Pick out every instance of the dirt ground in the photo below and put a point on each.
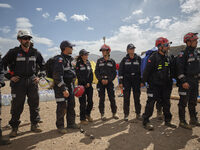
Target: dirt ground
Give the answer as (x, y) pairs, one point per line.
(110, 135)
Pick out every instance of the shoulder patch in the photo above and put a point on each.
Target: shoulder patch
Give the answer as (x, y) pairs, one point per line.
(60, 59)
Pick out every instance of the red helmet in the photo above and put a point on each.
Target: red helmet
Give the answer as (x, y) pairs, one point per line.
(105, 47)
(161, 41)
(190, 36)
(79, 90)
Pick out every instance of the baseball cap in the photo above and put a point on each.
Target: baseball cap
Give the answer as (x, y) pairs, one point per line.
(83, 52)
(130, 46)
(65, 44)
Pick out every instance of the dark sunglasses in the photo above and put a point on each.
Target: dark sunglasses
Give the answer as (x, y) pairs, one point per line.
(166, 45)
(26, 38)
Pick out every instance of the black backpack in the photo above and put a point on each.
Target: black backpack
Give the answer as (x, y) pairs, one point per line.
(49, 66)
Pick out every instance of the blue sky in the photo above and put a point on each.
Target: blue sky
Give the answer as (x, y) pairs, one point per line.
(85, 22)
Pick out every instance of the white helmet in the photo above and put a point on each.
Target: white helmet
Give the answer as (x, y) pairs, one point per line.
(22, 33)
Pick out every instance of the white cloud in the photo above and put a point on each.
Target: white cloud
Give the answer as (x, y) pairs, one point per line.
(5, 5)
(76, 17)
(137, 12)
(45, 15)
(43, 40)
(90, 28)
(23, 24)
(39, 9)
(144, 39)
(163, 24)
(127, 19)
(143, 21)
(61, 16)
(6, 44)
(54, 50)
(5, 29)
(190, 6)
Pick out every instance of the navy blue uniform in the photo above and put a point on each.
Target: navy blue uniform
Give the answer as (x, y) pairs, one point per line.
(130, 77)
(106, 70)
(85, 75)
(64, 75)
(24, 64)
(157, 75)
(188, 70)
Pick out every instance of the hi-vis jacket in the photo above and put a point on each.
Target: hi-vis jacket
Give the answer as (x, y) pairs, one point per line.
(24, 64)
(188, 64)
(129, 69)
(157, 71)
(105, 69)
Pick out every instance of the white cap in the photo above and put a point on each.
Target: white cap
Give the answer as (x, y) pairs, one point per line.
(22, 33)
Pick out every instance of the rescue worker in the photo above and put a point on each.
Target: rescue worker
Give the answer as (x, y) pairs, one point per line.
(85, 77)
(23, 61)
(130, 78)
(64, 75)
(188, 73)
(157, 75)
(3, 141)
(105, 72)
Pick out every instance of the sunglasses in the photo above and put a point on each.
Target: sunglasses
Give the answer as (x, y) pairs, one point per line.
(166, 45)
(26, 38)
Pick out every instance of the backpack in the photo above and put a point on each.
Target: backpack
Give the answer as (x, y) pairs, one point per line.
(49, 66)
(145, 59)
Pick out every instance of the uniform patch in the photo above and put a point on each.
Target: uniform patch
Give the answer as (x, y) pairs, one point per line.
(19, 54)
(60, 60)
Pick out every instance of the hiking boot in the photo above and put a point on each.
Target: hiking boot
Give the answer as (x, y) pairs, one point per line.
(125, 118)
(139, 117)
(195, 123)
(115, 116)
(62, 130)
(89, 118)
(35, 128)
(13, 133)
(103, 118)
(84, 122)
(149, 127)
(185, 125)
(168, 124)
(73, 126)
(159, 115)
(4, 141)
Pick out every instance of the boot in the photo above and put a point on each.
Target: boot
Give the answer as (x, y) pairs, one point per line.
(115, 116)
(126, 118)
(149, 127)
(195, 123)
(103, 118)
(89, 118)
(139, 117)
(74, 126)
(62, 130)
(169, 124)
(184, 125)
(13, 133)
(3, 141)
(84, 122)
(159, 115)
(35, 128)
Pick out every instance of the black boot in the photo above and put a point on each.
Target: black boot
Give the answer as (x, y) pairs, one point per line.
(3, 141)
